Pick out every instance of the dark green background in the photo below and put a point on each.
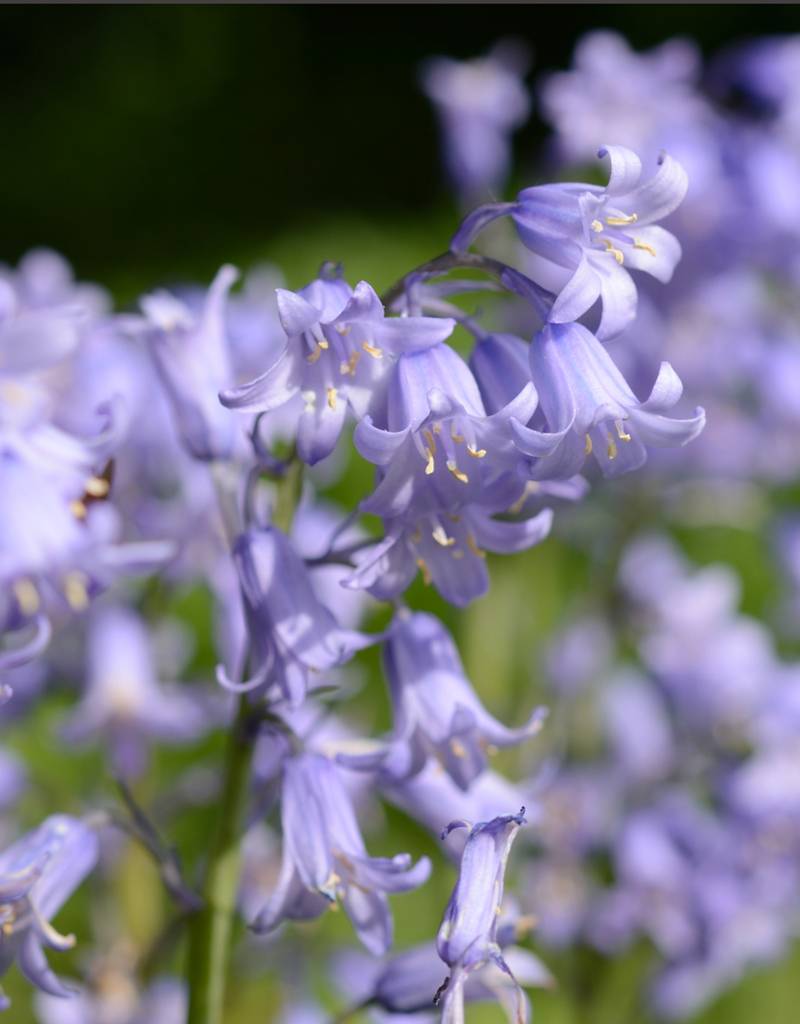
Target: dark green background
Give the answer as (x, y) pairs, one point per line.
(161, 140)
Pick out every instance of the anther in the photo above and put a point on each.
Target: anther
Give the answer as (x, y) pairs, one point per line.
(27, 596)
(622, 433)
(331, 393)
(458, 438)
(476, 453)
(75, 591)
(459, 474)
(610, 248)
(78, 509)
(596, 225)
(430, 465)
(472, 544)
(622, 220)
(442, 539)
(612, 448)
(643, 246)
(97, 487)
(587, 448)
(372, 350)
(426, 573)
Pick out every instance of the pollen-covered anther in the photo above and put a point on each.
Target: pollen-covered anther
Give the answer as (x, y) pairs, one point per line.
(349, 367)
(596, 226)
(316, 353)
(643, 246)
(612, 249)
(75, 591)
(331, 393)
(97, 487)
(78, 509)
(458, 748)
(622, 433)
(27, 596)
(458, 438)
(372, 350)
(459, 474)
(422, 565)
(612, 448)
(430, 465)
(343, 329)
(587, 448)
(622, 220)
(441, 537)
(476, 453)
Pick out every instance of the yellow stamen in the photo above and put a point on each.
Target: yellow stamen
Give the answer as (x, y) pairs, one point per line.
(97, 487)
(314, 355)
(458, 438)
(587, 448)
(430, 465)
(622, 434)
(459, 474)
(472, 544)
(476, 453)
(350, 366)
(322, 344)
(75, 591)
(622, 220)
(437, 428)
(426, 573)
(78, 509)
(27, 596)
(610, 248)
(612, 448)
(430, 439)
(596, 225)
(458, 748)
(343, 329)
(643, 246)
(331, 393)
(372, 350)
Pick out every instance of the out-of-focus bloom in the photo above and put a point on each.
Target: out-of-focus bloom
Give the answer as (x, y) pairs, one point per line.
(645, 101)
(190, 351)
(113, 998)
(638, 728)
(467, 938)
(123, 703)
(12, 779)
(584, 393)
(435, 708)
(324, 858)
(480, 103)
(293, 635)
(38, 873)
(339, 348)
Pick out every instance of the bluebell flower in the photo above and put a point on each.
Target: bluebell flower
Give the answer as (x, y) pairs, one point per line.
(436, 710)
(325, 860)
(468, 938)
(338, 350)
(587, 237)
(586, 397)
(294, 636)
(479, 102)
(445, 469)
(38, 873)
(113, 998)
(124, 704)
(190, 351)
(406, 982)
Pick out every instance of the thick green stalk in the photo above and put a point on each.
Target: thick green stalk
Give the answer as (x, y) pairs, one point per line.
(211, 929)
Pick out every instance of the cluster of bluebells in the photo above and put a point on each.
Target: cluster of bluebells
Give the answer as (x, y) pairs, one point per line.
(159, 449)
(684, 780)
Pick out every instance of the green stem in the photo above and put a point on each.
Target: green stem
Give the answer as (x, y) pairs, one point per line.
(211, 928)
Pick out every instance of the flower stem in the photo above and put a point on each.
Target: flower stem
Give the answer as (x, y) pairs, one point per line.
(211, 928)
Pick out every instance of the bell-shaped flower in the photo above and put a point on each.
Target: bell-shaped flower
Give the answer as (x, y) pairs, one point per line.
(190, 351)
(587, 237)
(338, 350)
(293, 636)
(124, 704)
(325, 859)
(468, 936)
(582, 390)
(436, 710)
(38, 873)
(479, 102)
